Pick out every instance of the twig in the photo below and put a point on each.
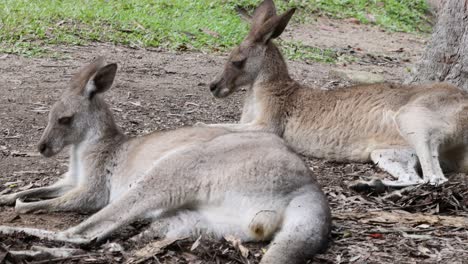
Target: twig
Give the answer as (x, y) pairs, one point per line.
(64, 258)
(29, 172)
(55, 66)
(13, 137)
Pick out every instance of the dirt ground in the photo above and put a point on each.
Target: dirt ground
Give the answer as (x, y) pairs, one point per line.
(157, 90)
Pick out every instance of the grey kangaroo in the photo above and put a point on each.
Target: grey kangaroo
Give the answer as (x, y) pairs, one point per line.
(398, 127)
(186, 181)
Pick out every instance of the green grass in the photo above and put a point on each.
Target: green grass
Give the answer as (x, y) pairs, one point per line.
(182, 24)
(392, 15)
(27, 27)
(299, 51)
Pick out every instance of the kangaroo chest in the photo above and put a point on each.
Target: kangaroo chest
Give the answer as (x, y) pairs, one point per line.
(251, 108)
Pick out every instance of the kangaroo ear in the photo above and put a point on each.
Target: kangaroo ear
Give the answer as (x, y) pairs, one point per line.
(273, 27)
(263, 12)
(101, 81)
(84, 74)
(244, 14)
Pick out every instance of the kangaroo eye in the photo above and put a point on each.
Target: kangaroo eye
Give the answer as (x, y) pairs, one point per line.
(239, 63)
(65, 120)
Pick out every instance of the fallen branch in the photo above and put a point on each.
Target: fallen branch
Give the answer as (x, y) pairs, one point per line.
(403, 217)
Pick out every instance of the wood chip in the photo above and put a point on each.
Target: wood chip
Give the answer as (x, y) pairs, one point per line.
(413, 236)
(135, 103)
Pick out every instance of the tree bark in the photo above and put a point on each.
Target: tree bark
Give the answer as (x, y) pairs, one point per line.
(446, 56)
(435, 5)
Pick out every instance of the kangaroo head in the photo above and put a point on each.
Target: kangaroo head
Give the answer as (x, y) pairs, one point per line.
(256, 55)
(80, 113)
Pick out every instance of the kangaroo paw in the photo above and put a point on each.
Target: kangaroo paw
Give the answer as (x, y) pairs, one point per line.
(437, 180)
(22, 207)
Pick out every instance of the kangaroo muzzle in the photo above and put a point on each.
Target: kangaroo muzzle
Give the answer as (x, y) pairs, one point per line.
(45, 149)
(219, 89)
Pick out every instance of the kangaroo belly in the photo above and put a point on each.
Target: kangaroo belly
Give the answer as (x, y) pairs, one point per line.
(254, 218)
(343, 139)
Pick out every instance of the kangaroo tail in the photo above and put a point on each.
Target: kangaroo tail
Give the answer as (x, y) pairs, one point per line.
(305, 229)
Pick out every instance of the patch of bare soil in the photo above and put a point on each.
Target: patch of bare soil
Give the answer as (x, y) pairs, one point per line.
(375, 50)
(158, 90)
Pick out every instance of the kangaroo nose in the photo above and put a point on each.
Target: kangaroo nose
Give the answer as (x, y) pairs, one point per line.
(213, 86)
(42, 147)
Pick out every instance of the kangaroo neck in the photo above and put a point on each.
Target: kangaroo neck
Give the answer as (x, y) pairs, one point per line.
(98, 145)
(274, 68)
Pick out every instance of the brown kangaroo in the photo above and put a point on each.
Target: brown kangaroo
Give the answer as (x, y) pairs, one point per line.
(187, 181)
(395, 126)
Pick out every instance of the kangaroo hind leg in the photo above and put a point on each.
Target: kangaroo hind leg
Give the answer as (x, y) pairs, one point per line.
(304, 231)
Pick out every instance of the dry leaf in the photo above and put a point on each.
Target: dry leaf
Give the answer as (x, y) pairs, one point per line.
(237, 244)
(152, 249)
(211, 33)
(424, 250)
(196, 243)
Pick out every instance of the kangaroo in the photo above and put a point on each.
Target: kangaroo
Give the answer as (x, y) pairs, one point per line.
(398, 127)
(188, 181)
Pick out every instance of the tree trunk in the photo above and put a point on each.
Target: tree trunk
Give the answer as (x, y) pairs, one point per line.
(446, 56)
(435, 5)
